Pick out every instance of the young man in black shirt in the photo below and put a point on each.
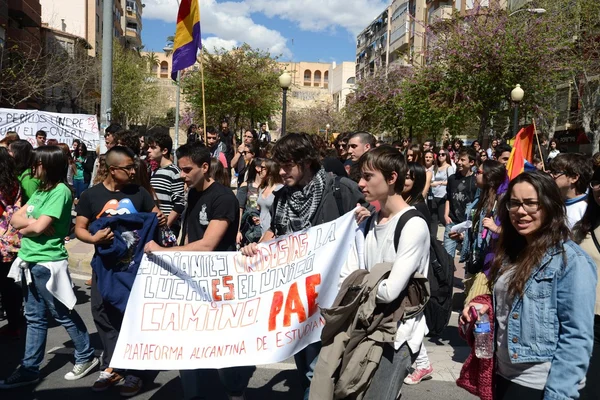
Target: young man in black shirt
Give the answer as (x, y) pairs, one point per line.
(210, 223)
(461, 190)
(116, 194)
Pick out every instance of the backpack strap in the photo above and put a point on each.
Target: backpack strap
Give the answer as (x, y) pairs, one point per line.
(399, 226)
(595, 239)
(337, 194)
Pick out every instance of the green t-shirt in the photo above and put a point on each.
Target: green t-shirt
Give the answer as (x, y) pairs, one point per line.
(56, 203)
(29, 185)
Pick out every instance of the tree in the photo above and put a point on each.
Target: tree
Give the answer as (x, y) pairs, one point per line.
(134, 90)
(474, 61)
(46, 75)
(313, 119)
(169, 46)
(375, 105)
(152, 60)
(241, 84)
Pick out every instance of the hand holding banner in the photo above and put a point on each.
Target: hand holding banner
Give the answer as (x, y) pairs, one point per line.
(192, 310)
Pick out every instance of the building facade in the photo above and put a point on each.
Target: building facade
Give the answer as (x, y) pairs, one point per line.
(372, 46)
(84, 19)
(342, 83)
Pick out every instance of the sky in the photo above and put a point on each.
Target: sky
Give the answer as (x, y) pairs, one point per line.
(300, 30)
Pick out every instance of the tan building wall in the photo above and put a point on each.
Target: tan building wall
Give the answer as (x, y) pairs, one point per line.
(310, 83)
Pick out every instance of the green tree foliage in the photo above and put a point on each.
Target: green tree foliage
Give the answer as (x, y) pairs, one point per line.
(134, 90)
(376, 102)
(241, 84)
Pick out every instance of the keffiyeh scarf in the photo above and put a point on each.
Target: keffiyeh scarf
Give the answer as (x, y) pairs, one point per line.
(297, 207)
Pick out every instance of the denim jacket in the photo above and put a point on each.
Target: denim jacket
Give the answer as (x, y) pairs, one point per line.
(554, 320)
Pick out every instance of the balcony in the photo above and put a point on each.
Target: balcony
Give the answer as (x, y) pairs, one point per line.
(27, 12)
(133, 37)
(441, 13)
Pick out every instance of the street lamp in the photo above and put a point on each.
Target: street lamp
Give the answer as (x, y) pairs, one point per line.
(516, 95)
(530, 11)
(285, 81)
(327, 131)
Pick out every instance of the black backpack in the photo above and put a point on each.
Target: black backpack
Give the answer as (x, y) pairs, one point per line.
(440, 276)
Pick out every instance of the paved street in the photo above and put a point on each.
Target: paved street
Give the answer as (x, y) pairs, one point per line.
(275, 381)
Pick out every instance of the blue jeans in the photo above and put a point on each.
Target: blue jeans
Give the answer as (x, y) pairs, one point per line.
(450, 244)
(306, 360)
(389, 376)
(79, 186)
(38, 300)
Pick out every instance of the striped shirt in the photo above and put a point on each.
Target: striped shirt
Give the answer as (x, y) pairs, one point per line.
(168, 185)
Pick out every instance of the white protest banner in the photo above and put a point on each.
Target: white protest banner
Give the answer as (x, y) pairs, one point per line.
(62, 127)
(193, 310)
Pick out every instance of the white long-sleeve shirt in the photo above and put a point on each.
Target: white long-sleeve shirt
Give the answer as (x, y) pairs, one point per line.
(412, 256)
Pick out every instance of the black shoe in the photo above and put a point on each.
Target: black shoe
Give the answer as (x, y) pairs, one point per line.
(18, 379)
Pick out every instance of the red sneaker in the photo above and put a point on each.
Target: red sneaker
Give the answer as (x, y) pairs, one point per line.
(418, 375)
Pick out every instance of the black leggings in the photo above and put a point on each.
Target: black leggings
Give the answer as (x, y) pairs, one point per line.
(507, 390)
(437, 210)
(12, 297)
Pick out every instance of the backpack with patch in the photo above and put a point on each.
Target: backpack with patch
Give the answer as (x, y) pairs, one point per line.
(440, 276)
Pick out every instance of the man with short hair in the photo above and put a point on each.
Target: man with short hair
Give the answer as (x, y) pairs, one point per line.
(502, 153)
(228, 139)
(116, 194)
(40, 138)
(359, 143)
(384, 171)
(264, 137)
(210, 224)
(460, 191)
(572, 173)
(310, 197)
(215, 146)
(428, 145)
(166, 180)
(110, 141)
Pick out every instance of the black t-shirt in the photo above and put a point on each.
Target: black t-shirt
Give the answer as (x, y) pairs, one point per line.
(98, 201)
(461, 191)
(216, 202)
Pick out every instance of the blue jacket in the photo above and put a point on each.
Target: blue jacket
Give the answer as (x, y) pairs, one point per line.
(554, 320)
(116, 264)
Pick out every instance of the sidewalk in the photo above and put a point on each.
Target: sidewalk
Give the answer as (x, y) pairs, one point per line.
(446, 353)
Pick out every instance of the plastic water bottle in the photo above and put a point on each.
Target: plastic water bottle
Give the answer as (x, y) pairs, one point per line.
(483, 335)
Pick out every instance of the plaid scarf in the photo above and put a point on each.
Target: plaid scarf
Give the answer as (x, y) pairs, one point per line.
(297, 207)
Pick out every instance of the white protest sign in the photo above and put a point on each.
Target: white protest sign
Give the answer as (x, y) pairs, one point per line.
(193, 310)
(62, 127)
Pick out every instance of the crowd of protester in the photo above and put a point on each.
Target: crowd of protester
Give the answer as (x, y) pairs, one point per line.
(529, 245)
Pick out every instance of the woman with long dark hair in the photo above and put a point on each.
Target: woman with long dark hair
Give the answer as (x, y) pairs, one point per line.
(587, 233)
(270, 182)
(247, 194)
(10, 242)
(42, 265)
(413, 154)
(414, 183)
(544, 287)
(442, 170)
(22, 152)
(492, 182)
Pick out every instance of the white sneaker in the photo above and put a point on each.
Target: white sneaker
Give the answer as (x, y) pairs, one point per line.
(81, 370)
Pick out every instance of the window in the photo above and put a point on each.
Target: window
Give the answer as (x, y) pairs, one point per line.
(164, 69)
(317, 77)
(326, 76)
(307, 75)
(351, 81)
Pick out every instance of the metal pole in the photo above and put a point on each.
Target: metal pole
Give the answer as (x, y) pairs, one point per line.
(177, 114)
(283, 112)
(516, 120)
(107, 62)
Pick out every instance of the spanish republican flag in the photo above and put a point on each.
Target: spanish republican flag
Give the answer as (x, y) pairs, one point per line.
(521, 153)
(187, 36)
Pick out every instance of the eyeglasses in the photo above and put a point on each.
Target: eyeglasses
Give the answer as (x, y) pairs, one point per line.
(107, 135)
(529, 206)
(343, 146)
(595, 185)
(556, 174)
(127, 169)
(442, 154)
(243, 153)
(262, 167)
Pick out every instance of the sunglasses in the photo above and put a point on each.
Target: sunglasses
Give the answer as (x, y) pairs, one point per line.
(441, 154)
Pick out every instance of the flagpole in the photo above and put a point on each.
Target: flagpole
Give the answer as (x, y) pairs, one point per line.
(537, 138)
(203, 97)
